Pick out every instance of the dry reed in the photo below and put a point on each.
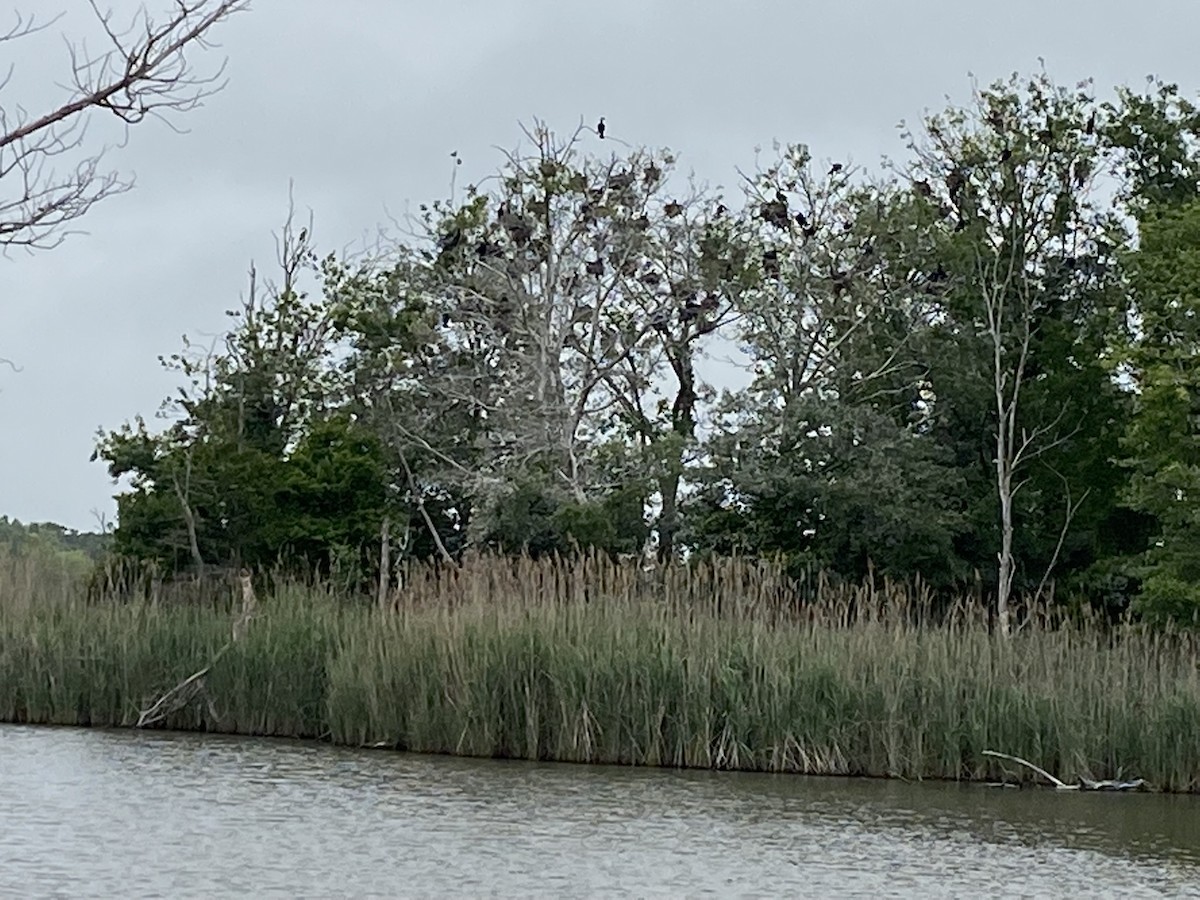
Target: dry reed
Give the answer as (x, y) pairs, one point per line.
(724, 665)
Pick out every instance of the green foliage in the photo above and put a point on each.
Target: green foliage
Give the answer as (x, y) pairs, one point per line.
(1161, 444)
(853, 493)
(77, 546)
(531, 519)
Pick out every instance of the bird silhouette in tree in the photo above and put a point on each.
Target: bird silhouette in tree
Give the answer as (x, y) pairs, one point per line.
(600, 128)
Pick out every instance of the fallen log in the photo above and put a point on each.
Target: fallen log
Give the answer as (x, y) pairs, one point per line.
(1083, 784)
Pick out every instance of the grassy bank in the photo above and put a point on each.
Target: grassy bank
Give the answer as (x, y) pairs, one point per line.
(712, 668)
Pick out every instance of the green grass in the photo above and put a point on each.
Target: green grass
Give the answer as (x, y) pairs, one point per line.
(598, 663)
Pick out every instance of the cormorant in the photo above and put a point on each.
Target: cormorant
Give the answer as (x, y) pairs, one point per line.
(770, 260)
(835, 168)
(600, 128)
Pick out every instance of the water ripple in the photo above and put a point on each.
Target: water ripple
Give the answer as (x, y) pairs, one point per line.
(103, 814)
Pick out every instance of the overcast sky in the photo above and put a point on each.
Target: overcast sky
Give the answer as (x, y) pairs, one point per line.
(361, 102)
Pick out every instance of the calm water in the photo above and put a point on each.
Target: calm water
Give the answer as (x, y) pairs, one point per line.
(108, 814)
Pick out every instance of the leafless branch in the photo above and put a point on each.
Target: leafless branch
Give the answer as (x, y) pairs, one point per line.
(419, 499)
(1072, 507)
(145, 72)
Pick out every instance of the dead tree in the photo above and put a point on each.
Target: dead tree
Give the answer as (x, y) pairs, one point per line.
(47, 179)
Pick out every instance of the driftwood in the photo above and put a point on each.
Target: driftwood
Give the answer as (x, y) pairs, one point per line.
(1083, 784)
(194, 686)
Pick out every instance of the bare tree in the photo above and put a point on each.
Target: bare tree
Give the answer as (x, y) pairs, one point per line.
(527, 317)
(144, 72)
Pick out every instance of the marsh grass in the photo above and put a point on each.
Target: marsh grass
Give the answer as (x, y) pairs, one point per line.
(723, 666)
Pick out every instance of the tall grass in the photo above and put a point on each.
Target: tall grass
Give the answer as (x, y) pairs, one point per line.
(722, 666)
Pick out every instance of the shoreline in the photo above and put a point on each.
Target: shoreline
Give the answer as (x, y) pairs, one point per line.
(199, 734)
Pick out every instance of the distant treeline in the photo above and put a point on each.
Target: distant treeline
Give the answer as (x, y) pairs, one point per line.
(48, 536)
(975, 367)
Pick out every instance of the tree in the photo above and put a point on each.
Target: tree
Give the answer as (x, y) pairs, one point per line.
(1012, 178)
(1161, 447)
(144, 73)
(825, 457)
(1157, 137)
(263, 463)
(521, 334)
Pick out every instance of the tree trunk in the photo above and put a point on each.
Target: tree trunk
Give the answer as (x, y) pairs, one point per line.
(1005, 573)
(385, 562)
(683, 424)
(668, 519)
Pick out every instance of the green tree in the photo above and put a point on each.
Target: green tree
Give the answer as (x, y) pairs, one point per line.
(1162, 442)
(262, 465)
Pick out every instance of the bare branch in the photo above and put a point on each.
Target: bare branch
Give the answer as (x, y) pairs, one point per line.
(145, 73)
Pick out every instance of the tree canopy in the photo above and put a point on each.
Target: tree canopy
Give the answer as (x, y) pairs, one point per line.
(974, 367)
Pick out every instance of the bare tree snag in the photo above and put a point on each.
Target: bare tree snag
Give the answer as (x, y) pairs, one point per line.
(47, 181)
(385, 562)
(193, 687)
(182, 493)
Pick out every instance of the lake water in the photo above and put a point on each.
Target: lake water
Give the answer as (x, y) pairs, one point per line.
(152, 814)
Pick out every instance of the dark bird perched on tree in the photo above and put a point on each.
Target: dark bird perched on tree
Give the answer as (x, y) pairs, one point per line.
(690, 310)
(594, 266)
(515, 225)
(600, 128)
(801, 220)
(673, 209)
(923, 188)
(485, 249)
(1090, 128)
(770, 260)
(955, 182)
(835, 168)
(1005, 154)
(448, 242)
(776, 211)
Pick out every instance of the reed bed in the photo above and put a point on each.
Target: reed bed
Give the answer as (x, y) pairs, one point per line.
(727, 666)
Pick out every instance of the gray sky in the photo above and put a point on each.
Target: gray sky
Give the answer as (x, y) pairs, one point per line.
(361, 103)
